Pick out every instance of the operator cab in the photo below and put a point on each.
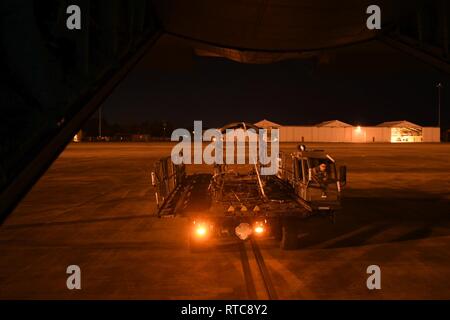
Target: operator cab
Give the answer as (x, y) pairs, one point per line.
(314, 177)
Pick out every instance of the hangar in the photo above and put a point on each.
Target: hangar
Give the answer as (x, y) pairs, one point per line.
(337, 131)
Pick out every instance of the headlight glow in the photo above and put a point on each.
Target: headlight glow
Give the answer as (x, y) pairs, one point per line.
(259, 229)
(200, 231)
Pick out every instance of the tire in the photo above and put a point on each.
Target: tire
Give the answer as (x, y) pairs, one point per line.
(289, 240)
(277, 232)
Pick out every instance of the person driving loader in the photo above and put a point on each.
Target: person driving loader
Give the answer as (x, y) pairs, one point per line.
(320, 175)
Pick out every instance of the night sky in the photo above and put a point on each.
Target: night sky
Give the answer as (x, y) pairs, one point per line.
(363, 84)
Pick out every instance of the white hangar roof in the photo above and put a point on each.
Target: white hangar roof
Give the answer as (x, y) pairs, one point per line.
(333, 124)
(267, 124)
(399, 124)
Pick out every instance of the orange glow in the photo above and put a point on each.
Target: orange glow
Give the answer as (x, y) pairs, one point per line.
(200, 231)
(259, 229)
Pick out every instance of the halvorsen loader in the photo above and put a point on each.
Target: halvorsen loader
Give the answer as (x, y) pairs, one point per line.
(235, 201)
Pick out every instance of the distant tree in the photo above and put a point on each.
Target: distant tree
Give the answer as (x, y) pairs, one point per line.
(158, 128)
(116, 129)
(161, 129)
(90, 128)
(146, 127)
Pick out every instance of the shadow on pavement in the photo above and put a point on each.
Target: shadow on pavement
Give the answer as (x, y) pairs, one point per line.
(372, 220)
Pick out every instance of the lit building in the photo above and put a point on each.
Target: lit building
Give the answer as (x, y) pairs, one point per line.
(404, 131)
(338, 131)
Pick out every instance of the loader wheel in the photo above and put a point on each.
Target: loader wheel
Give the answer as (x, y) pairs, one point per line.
(277, 231)
(289, 240)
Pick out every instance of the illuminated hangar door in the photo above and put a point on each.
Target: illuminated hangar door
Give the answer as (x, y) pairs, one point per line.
(406, 134)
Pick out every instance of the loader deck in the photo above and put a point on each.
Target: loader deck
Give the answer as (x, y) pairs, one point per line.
(240, 198)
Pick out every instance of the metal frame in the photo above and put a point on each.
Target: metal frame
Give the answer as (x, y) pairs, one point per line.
(23, 182)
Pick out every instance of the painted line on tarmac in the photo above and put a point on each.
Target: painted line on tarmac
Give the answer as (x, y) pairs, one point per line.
(250, 284)
(291, 279)
(264, 272)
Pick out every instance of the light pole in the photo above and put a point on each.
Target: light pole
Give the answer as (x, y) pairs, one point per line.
(100, 122)
(439, 86)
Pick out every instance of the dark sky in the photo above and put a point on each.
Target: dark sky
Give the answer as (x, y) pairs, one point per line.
(363, 84)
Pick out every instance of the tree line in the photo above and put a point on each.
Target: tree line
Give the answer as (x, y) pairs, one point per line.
(157, 128)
